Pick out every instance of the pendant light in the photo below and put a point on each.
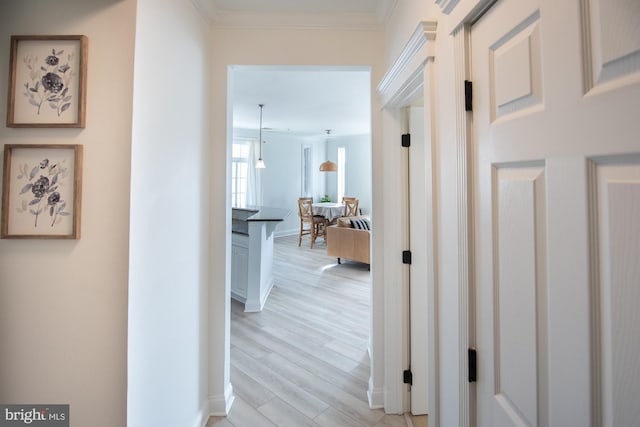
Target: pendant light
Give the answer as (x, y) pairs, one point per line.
(260, 163)
(328, 166)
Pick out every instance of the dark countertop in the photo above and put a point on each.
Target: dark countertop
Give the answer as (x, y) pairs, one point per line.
(262, 213)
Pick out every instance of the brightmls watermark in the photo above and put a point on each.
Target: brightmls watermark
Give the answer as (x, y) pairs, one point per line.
(34, 415)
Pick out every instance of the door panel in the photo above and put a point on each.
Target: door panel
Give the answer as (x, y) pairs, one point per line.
(616, 204)
(519, 310)
(556, 212)
(515, 69)
(612, 42)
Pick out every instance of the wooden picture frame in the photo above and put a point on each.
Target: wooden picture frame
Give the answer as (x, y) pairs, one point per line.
(47, 82)
(41, 191)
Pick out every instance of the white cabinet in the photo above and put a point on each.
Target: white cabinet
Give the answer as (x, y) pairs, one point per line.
(239, 266)
(252, 255)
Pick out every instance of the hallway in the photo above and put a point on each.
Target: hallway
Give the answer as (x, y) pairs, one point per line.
(303, 360)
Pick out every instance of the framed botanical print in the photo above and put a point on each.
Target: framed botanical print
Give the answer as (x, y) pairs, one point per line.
(41, 192)
(47, 82)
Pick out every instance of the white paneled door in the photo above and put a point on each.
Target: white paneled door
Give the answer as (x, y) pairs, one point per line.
(556, 175)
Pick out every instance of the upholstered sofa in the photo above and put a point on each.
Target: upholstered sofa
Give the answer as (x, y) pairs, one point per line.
(344, 241)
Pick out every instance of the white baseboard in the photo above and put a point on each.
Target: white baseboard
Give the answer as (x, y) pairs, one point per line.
(203, 415)
(376, 397)
(282, 233)
(263, 300)
(219, 406)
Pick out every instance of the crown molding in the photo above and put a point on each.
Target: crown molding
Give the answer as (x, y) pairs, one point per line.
(385, 10)
(447, 5)
(207, 9)
(353, 21)
(219, 18)
(416, 52)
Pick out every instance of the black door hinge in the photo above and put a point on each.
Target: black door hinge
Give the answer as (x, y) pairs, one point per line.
(406, 140)
(473, 365)
(468, 96)
(407, 377)
(406, 257)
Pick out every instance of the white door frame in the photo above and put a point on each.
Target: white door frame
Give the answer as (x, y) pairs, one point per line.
(221, 396)
(409, 77)
(461, 14)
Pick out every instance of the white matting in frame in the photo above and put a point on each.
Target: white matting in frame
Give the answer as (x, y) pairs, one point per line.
(47, 82)
(41, 192)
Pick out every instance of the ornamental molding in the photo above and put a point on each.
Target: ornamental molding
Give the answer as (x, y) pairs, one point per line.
(207, 10)
(417, 51)
(447, 5)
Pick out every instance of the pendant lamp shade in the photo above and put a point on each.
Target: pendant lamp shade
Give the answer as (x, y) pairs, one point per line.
(260, 163)
(328, 166)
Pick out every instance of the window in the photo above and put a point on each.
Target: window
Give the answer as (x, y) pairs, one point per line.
(239, 171)
(342, 172)
(306, 172)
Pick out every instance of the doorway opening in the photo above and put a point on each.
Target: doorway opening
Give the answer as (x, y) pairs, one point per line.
(300, 103)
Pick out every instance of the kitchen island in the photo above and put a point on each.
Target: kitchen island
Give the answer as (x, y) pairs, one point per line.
(252, 253)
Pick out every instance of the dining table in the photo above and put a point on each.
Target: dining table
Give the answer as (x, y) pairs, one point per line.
(329, 210)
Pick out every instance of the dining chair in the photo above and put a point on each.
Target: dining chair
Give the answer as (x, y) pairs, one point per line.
(350, 206)
(316, 224)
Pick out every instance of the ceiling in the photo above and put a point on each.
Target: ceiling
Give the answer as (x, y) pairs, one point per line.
(303, 100)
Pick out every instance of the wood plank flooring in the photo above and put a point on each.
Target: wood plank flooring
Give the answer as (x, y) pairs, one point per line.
(303, 360)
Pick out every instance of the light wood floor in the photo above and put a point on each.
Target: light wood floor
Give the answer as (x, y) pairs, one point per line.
(303, 360)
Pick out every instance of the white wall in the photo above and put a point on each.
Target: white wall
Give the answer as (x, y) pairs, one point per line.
(282, 178)
(167, 361)
(270, 47)
(63, 304)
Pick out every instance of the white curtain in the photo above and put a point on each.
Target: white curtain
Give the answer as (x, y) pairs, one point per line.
(254, 183)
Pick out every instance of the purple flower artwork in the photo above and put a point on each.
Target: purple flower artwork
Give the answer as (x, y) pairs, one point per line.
(48, 81)
(42, 192)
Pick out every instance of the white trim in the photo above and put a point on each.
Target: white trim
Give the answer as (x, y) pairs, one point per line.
(219, 18)
(283, 233)
(207, 10)
(465, 11)
(329, 21)
(375, 396)
(203, 415)
(385, 10)
(220, 405)
(396, 274)
(403, 82)
(432, 220)
(464, 211)
(447, 5)
(409, 64)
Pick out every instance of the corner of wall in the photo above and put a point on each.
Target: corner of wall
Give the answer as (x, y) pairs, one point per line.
(375, 396)
(203, 415)
(220, 405)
